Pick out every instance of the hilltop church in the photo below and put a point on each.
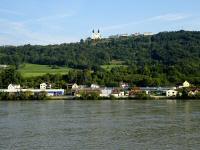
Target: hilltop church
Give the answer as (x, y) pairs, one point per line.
(96, 35)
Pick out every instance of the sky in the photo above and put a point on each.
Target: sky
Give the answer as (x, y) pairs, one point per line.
(44, 22)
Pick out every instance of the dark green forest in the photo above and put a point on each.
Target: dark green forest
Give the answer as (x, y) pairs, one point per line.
(163, 59)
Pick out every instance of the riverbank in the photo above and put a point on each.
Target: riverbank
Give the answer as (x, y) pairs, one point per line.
(123, 98)
(46, 98)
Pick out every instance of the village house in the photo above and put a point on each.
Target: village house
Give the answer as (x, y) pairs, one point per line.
(194, 92)
(95, 86)
(124, 85)
(72, 86)
(106, 92)
(14, 87)
(44, 86)
(186, 84)
(171, 93)
(117, 93)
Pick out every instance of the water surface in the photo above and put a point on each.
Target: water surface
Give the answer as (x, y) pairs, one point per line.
(109, 125)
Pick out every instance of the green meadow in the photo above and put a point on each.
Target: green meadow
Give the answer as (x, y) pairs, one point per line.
(113, 64)
(34, 70)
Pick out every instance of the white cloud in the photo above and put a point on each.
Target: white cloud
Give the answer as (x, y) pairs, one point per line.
(165, 17)
(16, 33)
(49, 18)
(19, 33)
(170, 17)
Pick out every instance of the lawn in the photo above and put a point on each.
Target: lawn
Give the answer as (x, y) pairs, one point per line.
(34, 70)
(114, 64)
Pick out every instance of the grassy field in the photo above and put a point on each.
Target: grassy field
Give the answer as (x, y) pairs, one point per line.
(34, 70)
(113, 64)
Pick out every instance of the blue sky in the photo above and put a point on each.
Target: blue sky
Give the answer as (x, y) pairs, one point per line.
(59, 21)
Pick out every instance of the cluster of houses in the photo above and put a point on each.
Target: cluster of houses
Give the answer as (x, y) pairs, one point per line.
(44, 87)
(133, 35)
(123, 91)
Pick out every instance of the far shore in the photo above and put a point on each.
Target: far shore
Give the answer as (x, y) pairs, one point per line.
(127, 98)
(70, 98)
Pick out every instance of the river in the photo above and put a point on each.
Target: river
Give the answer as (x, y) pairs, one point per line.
(100, 125)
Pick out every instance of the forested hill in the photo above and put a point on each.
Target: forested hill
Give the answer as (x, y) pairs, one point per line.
(175, 54)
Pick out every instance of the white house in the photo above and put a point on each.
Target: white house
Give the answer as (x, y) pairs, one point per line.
(106, 92)
(95, 86)
(171, 93)
(118, 93)
(75, 86)
(13, 87)
(43, 86)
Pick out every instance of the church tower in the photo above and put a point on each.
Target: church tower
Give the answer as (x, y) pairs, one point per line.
(96, 35)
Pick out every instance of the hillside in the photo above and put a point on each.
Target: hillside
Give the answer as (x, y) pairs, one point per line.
(167, 57)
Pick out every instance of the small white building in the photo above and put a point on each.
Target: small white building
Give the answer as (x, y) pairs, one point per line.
(118, 95)
(148, 33)
(171, 93)
(106, 92)
(186, 84)
(75, 86)
(95, 86)
(14, 87)
(43, 86)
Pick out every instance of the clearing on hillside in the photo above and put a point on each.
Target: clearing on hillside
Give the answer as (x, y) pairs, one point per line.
(34, 70)
(114, 64)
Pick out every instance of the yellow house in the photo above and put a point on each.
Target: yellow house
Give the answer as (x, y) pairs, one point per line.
(186, 84)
